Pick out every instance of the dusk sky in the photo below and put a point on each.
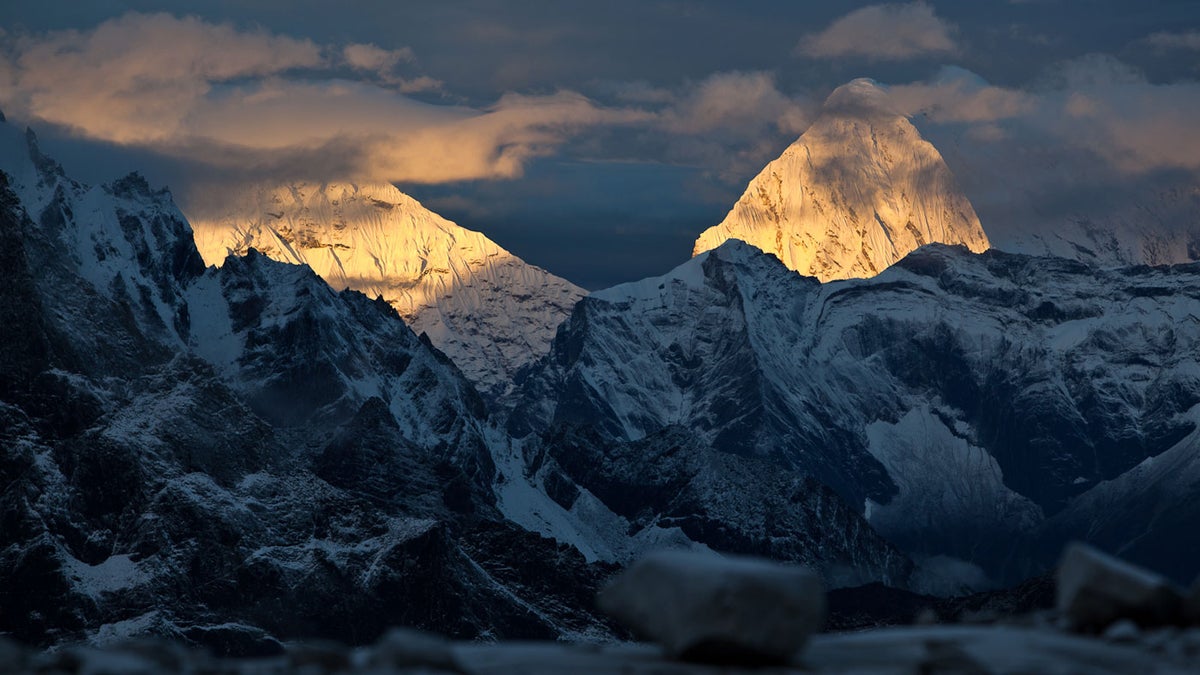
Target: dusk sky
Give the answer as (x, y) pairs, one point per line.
(598, 139)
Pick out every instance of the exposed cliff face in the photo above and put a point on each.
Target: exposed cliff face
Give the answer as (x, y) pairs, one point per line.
(858, 191)
(488, 310)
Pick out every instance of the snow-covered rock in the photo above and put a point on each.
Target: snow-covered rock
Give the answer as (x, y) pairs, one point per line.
(185, 452)
(704, 607)
(1095, 589)
(955, 400)
(487, 309)
(859, 190)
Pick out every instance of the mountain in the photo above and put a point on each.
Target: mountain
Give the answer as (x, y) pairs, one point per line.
(955, 401)
(858, 191)
(669, 488)
(240, 455)
(488, 310)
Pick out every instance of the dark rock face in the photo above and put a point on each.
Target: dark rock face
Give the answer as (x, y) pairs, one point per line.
(875, 605)
(728, 502)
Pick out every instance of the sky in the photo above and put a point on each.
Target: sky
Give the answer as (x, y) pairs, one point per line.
(598, 139)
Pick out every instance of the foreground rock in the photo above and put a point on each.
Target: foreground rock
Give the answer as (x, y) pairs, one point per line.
(1095, 589)
(931, 649)
(704, 607)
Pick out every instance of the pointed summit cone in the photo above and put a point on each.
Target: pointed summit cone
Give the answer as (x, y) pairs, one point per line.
(854, 194)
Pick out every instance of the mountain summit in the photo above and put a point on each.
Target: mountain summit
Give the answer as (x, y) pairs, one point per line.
(854, 194)
(487, 309)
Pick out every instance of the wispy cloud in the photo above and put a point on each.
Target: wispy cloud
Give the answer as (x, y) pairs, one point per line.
(734, 100)
(374, 58)
(1094, 102)
(245, 98)
(727, 124)
(958, 95)
(1188, 40)
(890, 32)
(383, 63)
(135, 78)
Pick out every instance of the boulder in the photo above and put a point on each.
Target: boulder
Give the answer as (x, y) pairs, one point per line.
(1124, 631)
(1095, 589)
(405, 648)
(719, 609)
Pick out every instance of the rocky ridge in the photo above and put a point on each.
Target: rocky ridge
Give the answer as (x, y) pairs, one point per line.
(973, 407)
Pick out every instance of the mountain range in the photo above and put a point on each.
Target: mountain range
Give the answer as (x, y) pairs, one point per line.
(415, 427)
(972, 408)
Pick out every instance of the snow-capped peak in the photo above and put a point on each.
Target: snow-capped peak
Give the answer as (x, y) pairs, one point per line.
(487, 309)
(858, 191)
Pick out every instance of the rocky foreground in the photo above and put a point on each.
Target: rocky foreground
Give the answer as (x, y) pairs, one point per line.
(716, 614)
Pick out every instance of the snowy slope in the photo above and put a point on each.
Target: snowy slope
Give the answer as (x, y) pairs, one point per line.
(856, 192)
(956, 398)
(127, 241)
(487, 309)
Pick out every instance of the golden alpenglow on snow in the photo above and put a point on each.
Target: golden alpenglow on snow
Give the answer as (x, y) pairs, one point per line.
(854, 194)
(488, 310)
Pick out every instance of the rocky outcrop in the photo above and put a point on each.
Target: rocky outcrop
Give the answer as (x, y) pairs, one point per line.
(1095, 591)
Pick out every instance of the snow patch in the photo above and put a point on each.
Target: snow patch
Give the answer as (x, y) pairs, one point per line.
(117, 573)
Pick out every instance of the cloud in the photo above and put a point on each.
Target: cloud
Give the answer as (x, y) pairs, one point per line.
(134, 78)
(958, 95)
(383, 63)
(734, 100)
(1094, 103)
(1093, 144)
(374, 58)
(1188, 40)
(883, 32)
(251, 101)
(1138, 125)
(727, 124)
